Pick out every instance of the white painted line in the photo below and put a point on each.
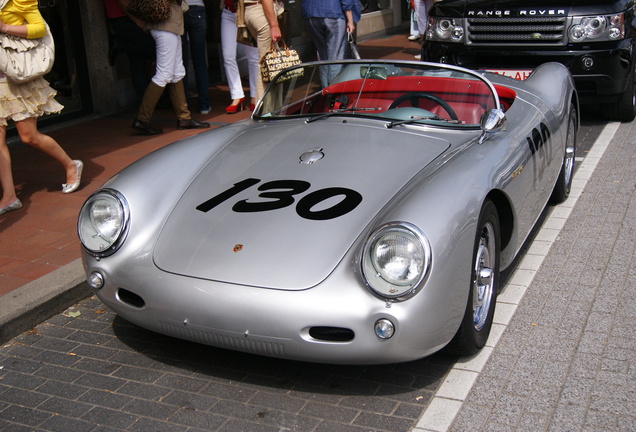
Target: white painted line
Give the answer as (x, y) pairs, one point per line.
(439, 415)
(448, 399)
(513, 294)
(457, 384)
(475, 363)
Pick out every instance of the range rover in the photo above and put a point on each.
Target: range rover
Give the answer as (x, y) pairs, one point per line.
(593, 39)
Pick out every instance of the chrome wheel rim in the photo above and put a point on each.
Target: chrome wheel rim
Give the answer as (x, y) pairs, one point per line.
(484, 282)
(569, 157)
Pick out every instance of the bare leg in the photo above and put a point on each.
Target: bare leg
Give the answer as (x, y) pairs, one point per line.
(29, 135)
(6, 176)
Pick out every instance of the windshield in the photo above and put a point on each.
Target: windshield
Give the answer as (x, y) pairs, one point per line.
(397, 92)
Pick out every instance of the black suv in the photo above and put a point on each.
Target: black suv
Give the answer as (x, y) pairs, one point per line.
(594, 39)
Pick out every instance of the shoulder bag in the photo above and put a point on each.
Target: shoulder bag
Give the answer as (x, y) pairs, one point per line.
(150, 11)
(243, 35)
(23, 59)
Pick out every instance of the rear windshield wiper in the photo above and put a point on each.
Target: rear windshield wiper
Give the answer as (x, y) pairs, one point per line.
(414, 119)
(338, 111)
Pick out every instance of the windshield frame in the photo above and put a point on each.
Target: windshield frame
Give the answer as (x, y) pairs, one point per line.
(283, 95)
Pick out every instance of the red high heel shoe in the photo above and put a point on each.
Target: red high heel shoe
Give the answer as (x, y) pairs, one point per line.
(252, 105)
(233, 109)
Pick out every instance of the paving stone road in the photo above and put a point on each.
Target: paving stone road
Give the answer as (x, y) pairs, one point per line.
(89, 370)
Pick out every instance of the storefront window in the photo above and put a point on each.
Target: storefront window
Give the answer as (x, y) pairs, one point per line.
(69, 75)
(374, 5)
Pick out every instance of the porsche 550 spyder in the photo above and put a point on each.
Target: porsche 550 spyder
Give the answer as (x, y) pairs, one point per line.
(363, 221)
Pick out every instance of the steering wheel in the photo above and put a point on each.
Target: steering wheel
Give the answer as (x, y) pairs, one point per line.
(414, 96)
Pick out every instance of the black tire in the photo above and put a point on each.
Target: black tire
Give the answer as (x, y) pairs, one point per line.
(563, 185)
(475, 327)
(625, 108)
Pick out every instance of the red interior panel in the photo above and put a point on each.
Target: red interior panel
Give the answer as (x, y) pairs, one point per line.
(468, 98)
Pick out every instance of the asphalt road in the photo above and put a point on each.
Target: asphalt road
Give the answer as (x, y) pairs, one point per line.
(89, 370)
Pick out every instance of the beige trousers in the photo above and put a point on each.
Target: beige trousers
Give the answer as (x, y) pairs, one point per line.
(257, 24)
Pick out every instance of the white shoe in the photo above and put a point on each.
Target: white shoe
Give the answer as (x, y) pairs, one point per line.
(68, 188)
(418, 56)
(13, 206)
(414, 37)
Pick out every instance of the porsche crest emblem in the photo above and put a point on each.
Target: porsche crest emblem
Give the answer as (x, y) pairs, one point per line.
(238, 248)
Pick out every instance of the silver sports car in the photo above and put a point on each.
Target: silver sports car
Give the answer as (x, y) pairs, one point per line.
(363, 220)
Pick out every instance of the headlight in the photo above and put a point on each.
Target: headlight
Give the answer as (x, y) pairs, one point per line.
(103, 222)
(445, 30)
(597, 28)
(396, 260)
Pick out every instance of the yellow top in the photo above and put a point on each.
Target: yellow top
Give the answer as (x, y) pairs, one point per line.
(20, 12)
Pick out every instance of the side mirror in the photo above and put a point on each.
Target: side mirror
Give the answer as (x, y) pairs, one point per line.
(491, 122)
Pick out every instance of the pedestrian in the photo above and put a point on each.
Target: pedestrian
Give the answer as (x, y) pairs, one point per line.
(414, 33)
(421, 12)
(194, 45)
(169, 72)
(230, 49)
(328, 22)
(25, 102)
(130, 39)
(261, 19)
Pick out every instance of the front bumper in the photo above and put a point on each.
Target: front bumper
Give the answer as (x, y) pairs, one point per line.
(278, 323)
(600, 75)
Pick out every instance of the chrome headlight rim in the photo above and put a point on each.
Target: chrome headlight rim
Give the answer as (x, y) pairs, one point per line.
(597, 28)
(442, 29)
(373, 278)
(121, 232)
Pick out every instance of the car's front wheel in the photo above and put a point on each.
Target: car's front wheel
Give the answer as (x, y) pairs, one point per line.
(475, 326)
(625, 107)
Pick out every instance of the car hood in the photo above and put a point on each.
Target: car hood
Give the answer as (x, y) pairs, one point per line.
(307, 216)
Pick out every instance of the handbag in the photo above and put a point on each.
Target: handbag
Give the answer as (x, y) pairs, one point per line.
(244, 37)
(150, 11)
(277, 59)
(23, 59)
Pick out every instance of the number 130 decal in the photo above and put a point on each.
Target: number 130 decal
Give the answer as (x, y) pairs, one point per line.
(280, 194)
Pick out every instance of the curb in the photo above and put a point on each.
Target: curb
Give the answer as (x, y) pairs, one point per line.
(450, 397)
(39, 300)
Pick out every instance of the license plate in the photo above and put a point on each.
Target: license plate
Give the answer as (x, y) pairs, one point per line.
(516, 74)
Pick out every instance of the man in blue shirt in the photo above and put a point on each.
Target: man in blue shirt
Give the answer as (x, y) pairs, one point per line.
(328, 22)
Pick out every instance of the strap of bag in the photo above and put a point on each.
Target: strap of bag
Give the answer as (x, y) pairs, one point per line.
(240, 14)
(277, 45)
(274, 49)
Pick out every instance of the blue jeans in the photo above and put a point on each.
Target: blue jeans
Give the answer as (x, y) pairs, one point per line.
(330, 38)
(193, 43)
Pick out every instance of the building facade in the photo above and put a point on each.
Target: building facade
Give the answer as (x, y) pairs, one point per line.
(88, 84)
